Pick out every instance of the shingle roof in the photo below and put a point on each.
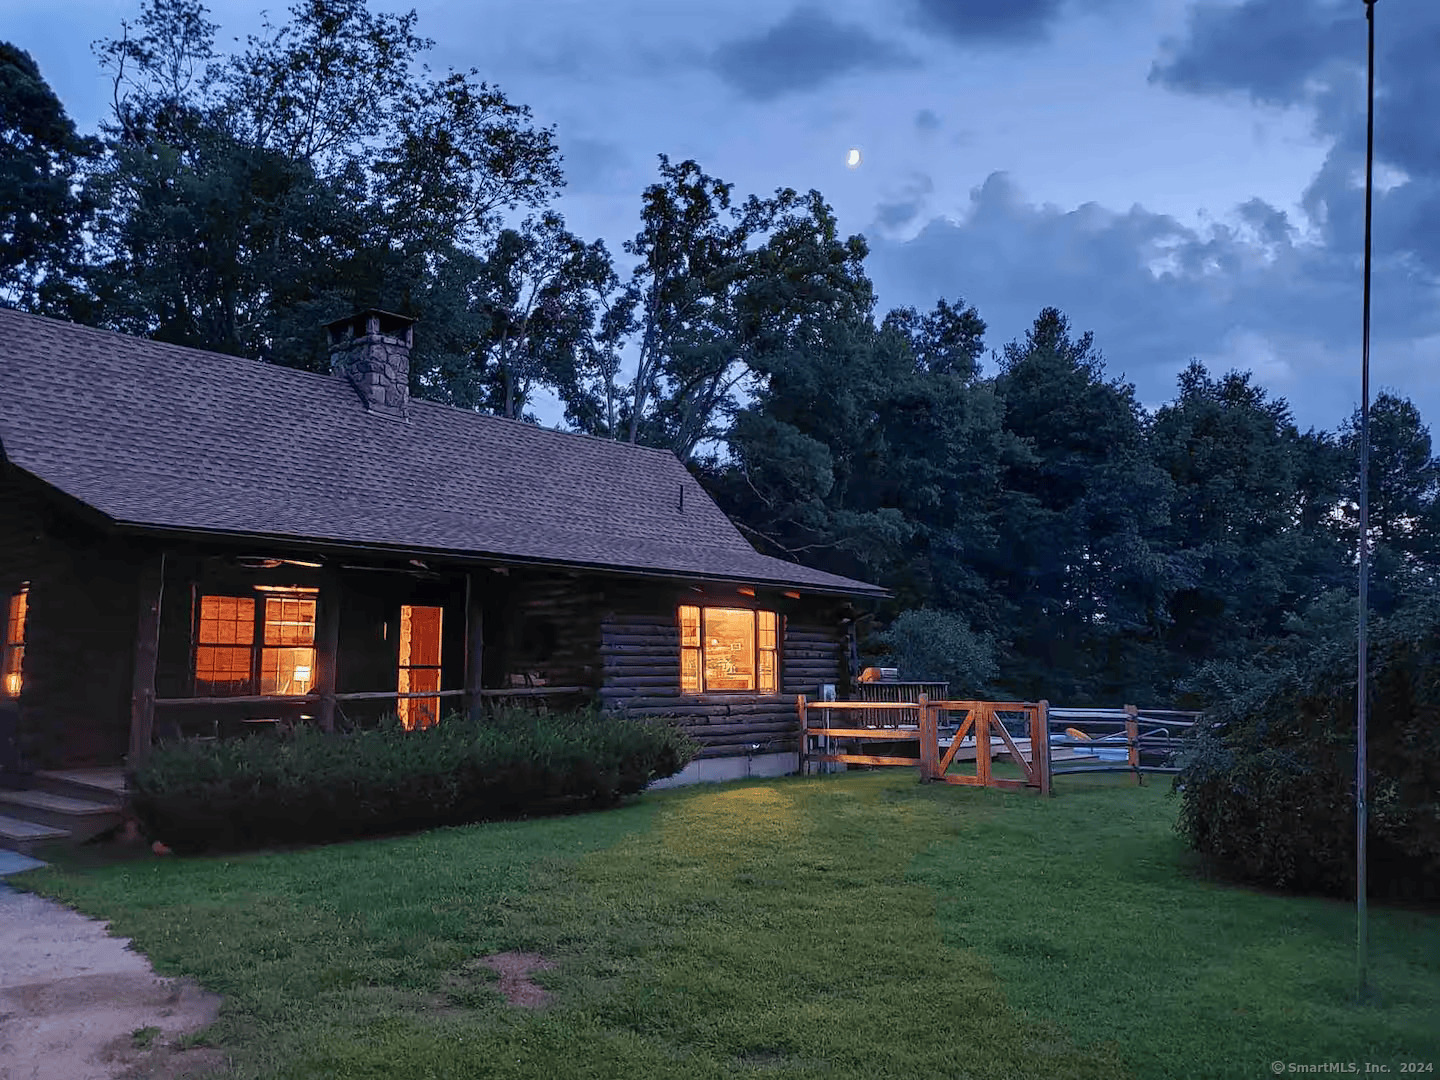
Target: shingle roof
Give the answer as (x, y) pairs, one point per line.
(162, 436)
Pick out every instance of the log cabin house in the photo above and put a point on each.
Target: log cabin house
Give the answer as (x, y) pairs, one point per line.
(194, 543)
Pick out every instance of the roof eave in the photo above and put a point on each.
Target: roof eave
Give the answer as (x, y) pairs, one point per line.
(78, 508)
(318, 544)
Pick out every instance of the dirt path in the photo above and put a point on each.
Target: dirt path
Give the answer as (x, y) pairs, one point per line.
(72, 1000)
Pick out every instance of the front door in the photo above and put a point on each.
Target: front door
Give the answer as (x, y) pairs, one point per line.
(420, 628)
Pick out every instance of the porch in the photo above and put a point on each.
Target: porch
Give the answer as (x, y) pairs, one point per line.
(216, 641)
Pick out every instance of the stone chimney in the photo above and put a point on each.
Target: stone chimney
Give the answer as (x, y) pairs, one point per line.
(371, 350)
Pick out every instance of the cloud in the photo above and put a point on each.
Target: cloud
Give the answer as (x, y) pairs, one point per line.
(802, 52)
(905, 207)
(1022, 21)
(1268, 49)
(926, 121)
(1310, 54)
(1244, 292)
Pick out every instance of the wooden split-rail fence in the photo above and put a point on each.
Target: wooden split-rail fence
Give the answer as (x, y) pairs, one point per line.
(950, 734)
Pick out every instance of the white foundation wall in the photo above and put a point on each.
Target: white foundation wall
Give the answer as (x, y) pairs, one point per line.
(716, 770)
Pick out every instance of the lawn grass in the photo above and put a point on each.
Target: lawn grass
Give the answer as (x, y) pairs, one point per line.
(856, 925)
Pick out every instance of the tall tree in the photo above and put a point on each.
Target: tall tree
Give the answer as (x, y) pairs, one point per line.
(537, 293)
(250, 196)
(949, 340)
(43, 209)
(1404, 497)
(949, 450)
(680, 302)
(1079, 568)
(1228, 451)
(805, 472)
(594, 393)
(320, 86)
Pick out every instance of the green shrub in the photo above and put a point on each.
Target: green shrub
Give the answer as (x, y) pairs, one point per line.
(1269, 790)
(932, 645)
(309, 787)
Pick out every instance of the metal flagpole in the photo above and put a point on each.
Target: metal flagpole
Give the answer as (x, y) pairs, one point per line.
(1361, 703)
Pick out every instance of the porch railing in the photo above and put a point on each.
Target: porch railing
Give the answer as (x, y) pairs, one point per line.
(373, 695)
(227, 722)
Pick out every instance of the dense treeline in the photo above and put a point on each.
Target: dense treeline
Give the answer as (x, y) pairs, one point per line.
(1043, 534)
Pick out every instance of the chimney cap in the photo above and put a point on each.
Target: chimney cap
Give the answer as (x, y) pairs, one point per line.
(388, 323)
(386, 315)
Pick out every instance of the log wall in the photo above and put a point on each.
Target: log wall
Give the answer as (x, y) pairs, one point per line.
(74, 707)
(543, 630)
(640, 655)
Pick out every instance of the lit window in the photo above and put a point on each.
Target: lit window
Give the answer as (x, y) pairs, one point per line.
(241, 645)
(288, 655)
(728, 649)
(419, 665)
(12, 656)
(224, 645)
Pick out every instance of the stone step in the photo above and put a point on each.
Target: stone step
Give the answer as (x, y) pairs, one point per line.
(81, 818)
(23, 836)
(59, 810)
(105, 784)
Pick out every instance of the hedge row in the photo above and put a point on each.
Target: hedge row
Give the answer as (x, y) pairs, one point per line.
(1268, 787)
(309, 787)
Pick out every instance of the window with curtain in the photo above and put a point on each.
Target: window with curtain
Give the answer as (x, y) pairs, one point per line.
(245, 646)
(728, 649)
(12, 655)
(419, 665)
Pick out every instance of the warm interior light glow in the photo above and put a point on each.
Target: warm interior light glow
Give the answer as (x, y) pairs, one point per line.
(289, 647)
(766, 652)
(227, 660)
(745, 590)
(420, 631)
(689, 649)
(224, 645)
(12, 645)
(728, 649)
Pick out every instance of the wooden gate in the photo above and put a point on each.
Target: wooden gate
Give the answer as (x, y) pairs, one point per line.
(980, 736)
(989, 736)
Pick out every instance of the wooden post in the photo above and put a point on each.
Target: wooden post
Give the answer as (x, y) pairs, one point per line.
(474, 641)
(1040, 745)
(1132, 733)
(804, 732)
(327, 641)
(147, 652)
(982, 743)
(929, 739)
